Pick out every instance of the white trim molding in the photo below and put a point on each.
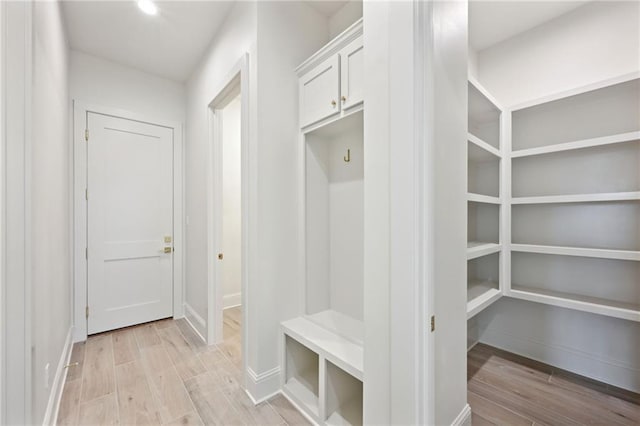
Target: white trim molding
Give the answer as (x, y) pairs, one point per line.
(53, 406)
(231, 300)
(263, 386)
(464, 418)
(197, 323)
(80, 111)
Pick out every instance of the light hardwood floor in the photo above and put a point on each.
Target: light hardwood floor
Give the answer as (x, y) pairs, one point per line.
(506, 389)
(162, 373)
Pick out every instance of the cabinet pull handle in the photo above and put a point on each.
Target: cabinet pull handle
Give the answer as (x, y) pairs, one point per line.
(344, 99)
(333, 103)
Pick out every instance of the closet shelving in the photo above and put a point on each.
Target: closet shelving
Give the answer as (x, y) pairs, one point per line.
(322, 349)
(484, 199)
(575, 199)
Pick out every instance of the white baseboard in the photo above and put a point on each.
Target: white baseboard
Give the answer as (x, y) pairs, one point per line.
(196, 322)
(53, 405)
(464, 418)
(604, 370)
(263, 386)
(231, 300)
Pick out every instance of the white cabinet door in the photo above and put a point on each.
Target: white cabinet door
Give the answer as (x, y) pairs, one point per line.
(130, 222)
(320, 92)
(352, 73)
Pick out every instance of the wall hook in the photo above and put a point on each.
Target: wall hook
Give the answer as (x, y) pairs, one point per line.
(347, 157)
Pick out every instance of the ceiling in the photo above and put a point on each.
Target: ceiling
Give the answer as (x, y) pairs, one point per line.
(169, 44)
(491, 22)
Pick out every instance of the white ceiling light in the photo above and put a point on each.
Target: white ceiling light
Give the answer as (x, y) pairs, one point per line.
(148, 7)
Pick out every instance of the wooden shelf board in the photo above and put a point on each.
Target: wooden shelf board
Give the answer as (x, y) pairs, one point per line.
(480, 295)
(300, 389)
(577, 251)
(349, 413)
(479, 198)
(484, 145)
(595, 305)
(584, 143)
(341, 324)
(578, 198)
(341, 351)
(477, 249)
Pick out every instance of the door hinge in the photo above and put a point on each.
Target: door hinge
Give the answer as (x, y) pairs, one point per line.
(433, 323)
(86, 135)
(86, 312)
(86, 194)
(86, 253)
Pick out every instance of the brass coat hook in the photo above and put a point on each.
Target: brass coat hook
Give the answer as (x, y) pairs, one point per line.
(347, 157)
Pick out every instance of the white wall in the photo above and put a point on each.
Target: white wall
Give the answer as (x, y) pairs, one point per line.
(231, 204)
(595, 42)
(288, 33)
(235, 38)
(343, 18)
(98, 81)
(50, 198)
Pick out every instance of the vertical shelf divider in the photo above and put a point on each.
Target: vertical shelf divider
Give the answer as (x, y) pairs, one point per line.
(505, 196)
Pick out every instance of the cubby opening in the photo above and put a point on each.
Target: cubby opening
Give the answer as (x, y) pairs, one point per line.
(483, 172)
(335, 227)
(483, 224)
(607, 111)
(343, 397)
(483, 274)
(604, 225)
(302, 373)
(483, 117)
(595, 170)
(608, 282)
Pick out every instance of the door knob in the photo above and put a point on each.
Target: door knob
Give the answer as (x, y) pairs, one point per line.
(333, 104)
(220, 256)
(344, 99)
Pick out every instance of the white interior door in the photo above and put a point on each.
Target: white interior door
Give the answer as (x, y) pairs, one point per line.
(130, 222)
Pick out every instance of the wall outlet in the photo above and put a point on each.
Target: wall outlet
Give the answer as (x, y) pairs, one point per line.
(46, 376)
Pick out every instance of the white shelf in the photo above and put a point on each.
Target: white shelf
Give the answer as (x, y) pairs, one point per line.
(341, 324)
(483, 145)
(300, 389)
(479, 198)
(581, 303)
(481, 294)
(577, 251)
(477, 249)
(349, 413)
(480, 88)
(584, 143)
(341, 351)
(578, 198)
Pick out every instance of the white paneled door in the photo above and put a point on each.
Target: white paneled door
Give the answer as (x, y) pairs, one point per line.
(130, 222)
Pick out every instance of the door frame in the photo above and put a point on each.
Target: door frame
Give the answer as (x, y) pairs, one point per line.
(80, 220)
(16, 68)
(236, 79)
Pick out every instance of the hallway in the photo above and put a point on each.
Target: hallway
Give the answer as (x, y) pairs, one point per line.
(162, 373)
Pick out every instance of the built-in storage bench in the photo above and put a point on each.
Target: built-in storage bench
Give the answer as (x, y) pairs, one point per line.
(323, 372)
(322, 349)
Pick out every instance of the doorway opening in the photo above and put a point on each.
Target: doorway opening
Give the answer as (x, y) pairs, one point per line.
(227, 217)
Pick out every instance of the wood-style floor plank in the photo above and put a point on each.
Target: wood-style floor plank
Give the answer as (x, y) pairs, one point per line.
(125, 346)
(498, 381)
(70, 403)
(100, 411)
(212, 405)
(98, 377)
(136, 405)
(287, 411)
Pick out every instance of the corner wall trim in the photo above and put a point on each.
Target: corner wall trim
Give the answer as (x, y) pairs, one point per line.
(263, 386)
(53, 406)
(195, 321)
(464, 418)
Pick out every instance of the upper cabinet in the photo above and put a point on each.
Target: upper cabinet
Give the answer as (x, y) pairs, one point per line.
(331, 81)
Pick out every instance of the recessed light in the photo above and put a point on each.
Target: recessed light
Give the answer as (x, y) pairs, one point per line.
(148, 7)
